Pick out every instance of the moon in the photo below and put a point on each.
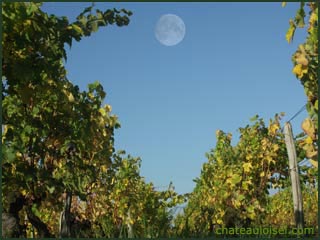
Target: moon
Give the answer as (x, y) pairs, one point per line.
(170, 30)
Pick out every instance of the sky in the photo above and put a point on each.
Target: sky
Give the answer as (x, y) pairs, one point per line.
(233, 63)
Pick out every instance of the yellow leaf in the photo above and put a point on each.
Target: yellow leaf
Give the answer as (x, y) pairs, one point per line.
(313, 18)
(301, 59)
(70, 97)
(101, 122)
(5, 130)
(270, 159)
(108, 108)
(104, 133)
(219, 221)
(51, 82)
(236, 203)
(301, 49)
(245, 186)
(273, 128)
(247, 167)
(275, 147)
(228, 180)
(126, 182)
(112, 180)
(28, 22)
(284, 4)
(20, 54)
(13, 169)
(262, 174)
(311, 152)
(222, 213)
(252, 215)
(308, 127)
(24, 192)
(219, 161)
(103, 112)
(264, 143)
(314, 163)
(234, 179)
(300, 70)
(90, 95)
(218, 133)
(103, 168)
(297, 69)
(309, 140)
(290, 31)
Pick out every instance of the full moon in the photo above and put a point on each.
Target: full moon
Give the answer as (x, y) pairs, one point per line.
(170, 30)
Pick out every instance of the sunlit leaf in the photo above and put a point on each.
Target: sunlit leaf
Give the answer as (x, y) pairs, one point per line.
(309, 128)
(291, 30)
(247, 167)
(314, 163)
(300, 70)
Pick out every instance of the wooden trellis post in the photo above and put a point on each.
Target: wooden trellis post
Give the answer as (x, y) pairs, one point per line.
(294, 173)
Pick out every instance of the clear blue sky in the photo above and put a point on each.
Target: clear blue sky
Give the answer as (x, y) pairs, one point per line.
(233, 63)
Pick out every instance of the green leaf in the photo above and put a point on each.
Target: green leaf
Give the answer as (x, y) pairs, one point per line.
(51, 189)
(250, 209)
(299, 19)
(39, 86)
(235, 179)
(94, 26)
(9, 154)
(35, 210)
(77, 29)
(31, 9)
(83, 20)
(93, 86)
(27, 37)
(254, 118)
(129, 13)
(35, 111)
(36, 26)
(99, 14)
(241, 197)
(86, 10)
(27, 129)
